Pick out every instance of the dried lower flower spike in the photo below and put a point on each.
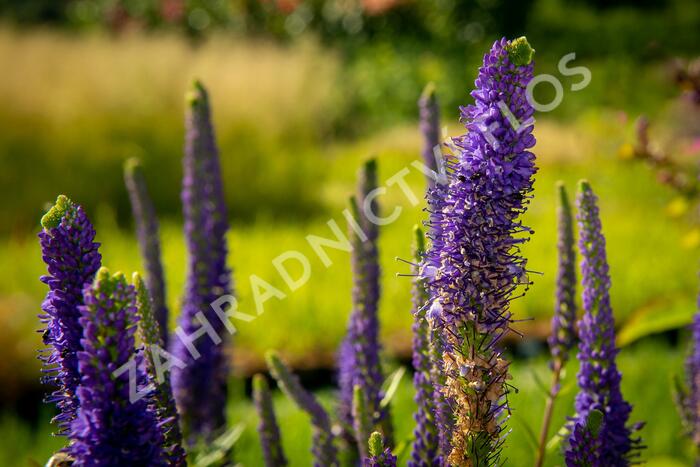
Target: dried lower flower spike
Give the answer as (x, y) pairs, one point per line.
(598, 377)
(72, 258)
(323, 446)
(111, 429)
(474, 265)
(200, 387)
(267, 428)
(163, 403)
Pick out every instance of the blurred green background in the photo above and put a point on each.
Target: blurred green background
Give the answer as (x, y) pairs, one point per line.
(302, 93)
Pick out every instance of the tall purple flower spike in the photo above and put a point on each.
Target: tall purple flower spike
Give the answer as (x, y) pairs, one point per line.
(323, 445)
(379, 456)
(200, 387)
(162, 401)
(425, 444)
(475, 266)
(267, 428)
(149, 241)
(429, 113)
(359, 353)
(72, 258)
(598, 377)
(110, 429)
(563, 335)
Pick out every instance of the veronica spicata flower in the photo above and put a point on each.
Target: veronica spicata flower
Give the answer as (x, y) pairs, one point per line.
(72, 258)
(598, 377)
(110, 428)
(475, 265)
(200, 387)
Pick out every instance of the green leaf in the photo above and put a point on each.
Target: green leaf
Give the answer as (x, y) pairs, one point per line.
(391, 385)
(220, 448)
(648, 320)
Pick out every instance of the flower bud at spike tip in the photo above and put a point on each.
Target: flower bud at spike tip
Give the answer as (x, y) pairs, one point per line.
(519, 51)
(379, 456)
(53, 218)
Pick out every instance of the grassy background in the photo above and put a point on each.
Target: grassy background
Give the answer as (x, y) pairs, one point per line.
(291, 137)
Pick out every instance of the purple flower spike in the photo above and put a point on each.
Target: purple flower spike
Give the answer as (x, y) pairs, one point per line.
(563, 335)
(267, 428)
(379, 456)
(162, 403)
(425, 444)
(598, 377)
(71, 255)
(474, 265)
(359, 353)
(149, 241)
(200, 387)
(110, 429)
(429, 113)
(323, 446)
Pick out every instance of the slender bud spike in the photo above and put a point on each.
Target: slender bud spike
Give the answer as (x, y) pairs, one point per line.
(563, 335)
(358, 357)
(425, 445)
(149, 242)
(429, 113)
(267, 428)
(163, 403)
(323, 447)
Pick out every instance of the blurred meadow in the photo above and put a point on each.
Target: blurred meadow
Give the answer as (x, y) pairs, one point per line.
(298, 105)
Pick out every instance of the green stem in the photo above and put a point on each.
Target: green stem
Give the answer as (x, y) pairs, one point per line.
(548, 411)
